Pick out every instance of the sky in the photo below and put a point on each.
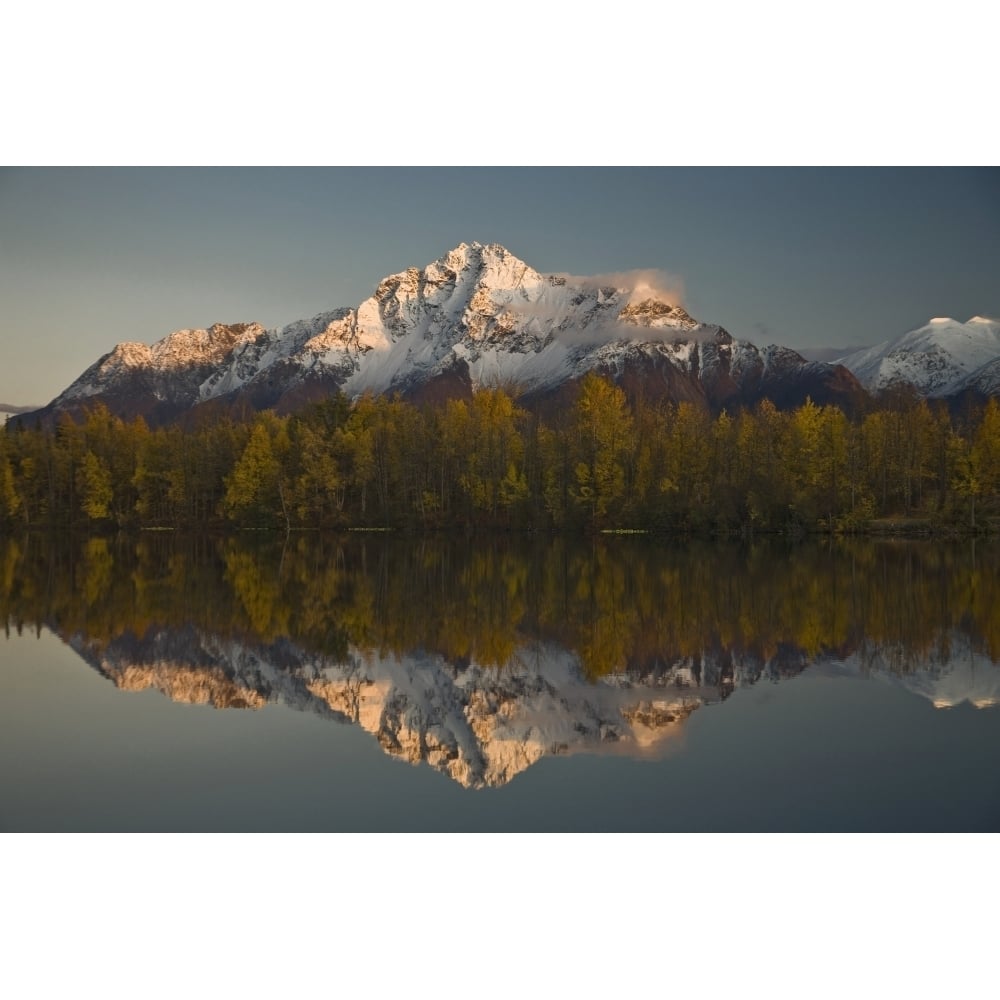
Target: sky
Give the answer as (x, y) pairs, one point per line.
(805, 257)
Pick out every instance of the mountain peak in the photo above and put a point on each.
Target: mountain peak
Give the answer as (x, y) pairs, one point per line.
(127, 354)
(477, 249)
(494, 265)
(648, 311)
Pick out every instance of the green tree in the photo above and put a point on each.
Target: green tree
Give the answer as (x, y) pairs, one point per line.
(256, 493)
(10, 499)
(95, 487)
(601, 437)
(318, 490)
(491, 461)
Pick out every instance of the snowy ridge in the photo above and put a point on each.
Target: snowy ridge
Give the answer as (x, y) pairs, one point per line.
(985, 380)
(181, 349)
(482, 725)
(478, 316)
(939, 359)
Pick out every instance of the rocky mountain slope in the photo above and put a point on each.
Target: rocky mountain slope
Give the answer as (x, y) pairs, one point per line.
(478, 316)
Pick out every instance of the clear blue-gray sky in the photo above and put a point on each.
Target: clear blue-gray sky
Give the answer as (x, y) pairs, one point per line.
(802, 257)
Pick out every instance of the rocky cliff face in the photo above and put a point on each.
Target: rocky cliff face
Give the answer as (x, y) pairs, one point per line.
(478, 316)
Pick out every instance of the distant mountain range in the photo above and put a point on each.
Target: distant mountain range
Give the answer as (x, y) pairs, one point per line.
(943, 359)
(828, 354)
(479, 316)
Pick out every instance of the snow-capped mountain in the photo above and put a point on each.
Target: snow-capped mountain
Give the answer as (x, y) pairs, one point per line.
(943, 358)
(478, 316)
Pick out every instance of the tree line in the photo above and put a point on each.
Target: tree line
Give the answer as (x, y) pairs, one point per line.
(601, 463)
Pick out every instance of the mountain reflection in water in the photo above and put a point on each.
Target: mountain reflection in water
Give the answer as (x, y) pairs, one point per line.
(481, 657)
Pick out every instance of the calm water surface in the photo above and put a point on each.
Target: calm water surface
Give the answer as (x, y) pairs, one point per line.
(381, 683)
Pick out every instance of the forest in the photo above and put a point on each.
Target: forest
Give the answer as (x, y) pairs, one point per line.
(603, 463)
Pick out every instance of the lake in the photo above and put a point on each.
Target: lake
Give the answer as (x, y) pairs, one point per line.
(383, 683)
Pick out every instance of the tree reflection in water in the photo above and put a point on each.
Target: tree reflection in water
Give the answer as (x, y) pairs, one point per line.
(479, 657)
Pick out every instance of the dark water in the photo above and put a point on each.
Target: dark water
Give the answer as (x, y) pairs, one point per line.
(381, 683)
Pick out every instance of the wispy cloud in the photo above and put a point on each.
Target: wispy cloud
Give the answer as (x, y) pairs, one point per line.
(601, 327)
(637, 285)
